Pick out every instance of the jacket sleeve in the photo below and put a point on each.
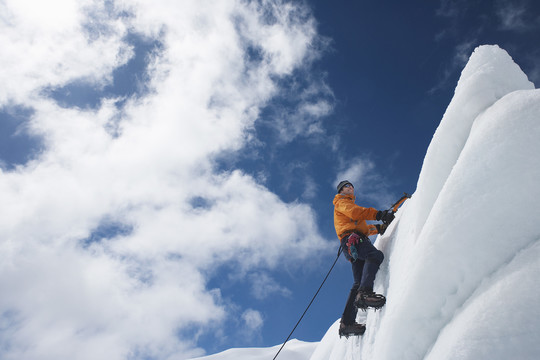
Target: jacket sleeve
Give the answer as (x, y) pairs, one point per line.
(355, 212)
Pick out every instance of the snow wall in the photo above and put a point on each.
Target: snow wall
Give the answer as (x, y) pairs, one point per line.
(463, 255)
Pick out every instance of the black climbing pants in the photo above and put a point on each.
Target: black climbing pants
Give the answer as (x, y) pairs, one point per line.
(364, 270)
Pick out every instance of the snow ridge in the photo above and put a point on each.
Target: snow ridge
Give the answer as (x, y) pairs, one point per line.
(489, 75)
(295, 350)
(468, 240)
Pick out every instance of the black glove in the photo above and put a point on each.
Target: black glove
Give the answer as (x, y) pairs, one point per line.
(386, 216)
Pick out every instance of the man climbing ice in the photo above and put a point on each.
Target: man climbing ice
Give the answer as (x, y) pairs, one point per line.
(353, 231)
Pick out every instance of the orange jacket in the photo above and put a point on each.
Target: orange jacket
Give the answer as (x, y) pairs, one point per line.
(349, 217)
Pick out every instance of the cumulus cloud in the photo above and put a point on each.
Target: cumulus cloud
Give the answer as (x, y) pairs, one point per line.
(110, 235)
(47, 44)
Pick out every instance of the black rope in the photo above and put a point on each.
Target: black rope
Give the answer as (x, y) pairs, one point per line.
(311, 302)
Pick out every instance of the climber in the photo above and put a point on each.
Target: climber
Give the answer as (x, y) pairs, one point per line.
(353, 231)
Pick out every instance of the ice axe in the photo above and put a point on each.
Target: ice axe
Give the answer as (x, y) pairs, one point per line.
(396, 205)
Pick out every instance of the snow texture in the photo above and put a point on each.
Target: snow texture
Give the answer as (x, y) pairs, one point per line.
(463, 255)
(294, 350)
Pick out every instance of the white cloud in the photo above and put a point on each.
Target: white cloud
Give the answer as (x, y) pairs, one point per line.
(133, 293)
(310, 188)
(355, 171)
(252, 323)
(45, 44)
(462, 52)
(514, 16)
(253, 319)
(264, 286)
(369, 185)
(451, 8)
(315, 102)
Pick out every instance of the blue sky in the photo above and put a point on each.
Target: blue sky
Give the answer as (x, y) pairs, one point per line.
(392, 68)
(186, 156)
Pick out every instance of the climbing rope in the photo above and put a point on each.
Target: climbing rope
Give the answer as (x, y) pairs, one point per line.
(311, 302)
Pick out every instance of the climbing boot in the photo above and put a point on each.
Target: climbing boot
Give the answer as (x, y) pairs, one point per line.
(369, 299)
(351, 330)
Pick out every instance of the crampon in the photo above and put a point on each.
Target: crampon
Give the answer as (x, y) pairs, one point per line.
(351, 330)
(365, 300)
